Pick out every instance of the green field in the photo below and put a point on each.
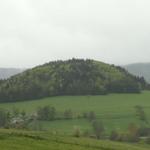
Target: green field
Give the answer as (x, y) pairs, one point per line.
(24, 140)
(115, 110)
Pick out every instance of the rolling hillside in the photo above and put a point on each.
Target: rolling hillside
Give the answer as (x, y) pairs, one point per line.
(71, 77)
(140, 69)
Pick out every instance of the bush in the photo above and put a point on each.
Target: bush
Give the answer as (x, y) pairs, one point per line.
(98, 129)
(144, 131)
(68, 114)
(91, 116)
(140, 113)
(46, 113)
(131, 135)
(114, 136)
(15, 112)
(77, 132)
(85, 115)
(4, 118)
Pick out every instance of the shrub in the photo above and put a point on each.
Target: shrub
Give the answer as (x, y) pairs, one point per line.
(77, 132)
(140, 113)
(98, 129)
(68, 114)
(144, 131)
(4, 118)
(114, 136)
(46, 113)
(91, 116)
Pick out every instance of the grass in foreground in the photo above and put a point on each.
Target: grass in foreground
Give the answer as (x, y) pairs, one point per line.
(16, 140)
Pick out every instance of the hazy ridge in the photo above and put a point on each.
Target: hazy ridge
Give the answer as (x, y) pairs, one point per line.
(140, 69)
(8, 72)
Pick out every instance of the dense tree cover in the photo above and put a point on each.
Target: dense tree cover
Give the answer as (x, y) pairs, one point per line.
(71, 77)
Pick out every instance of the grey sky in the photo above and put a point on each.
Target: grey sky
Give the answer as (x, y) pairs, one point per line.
(33, 32)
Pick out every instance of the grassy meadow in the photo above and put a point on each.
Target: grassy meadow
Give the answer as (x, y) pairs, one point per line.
(17, 140)
(115, 110)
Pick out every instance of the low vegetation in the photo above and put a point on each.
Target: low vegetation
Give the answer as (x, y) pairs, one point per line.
(116, 111)
(29, 140)
(17, 119)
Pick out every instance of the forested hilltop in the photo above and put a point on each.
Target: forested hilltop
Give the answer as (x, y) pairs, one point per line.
(71, 77)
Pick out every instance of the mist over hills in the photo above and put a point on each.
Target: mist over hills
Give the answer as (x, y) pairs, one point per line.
(8, 72)
(139, 69)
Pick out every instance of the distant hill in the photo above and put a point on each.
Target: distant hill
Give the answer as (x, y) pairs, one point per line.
(8, 72)
(140, 69)
(71, 77)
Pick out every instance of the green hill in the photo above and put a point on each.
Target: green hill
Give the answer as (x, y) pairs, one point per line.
(140, 69)
(71, 77)
(17, 140)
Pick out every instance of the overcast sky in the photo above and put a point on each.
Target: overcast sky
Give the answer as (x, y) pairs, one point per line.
(33, 32)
